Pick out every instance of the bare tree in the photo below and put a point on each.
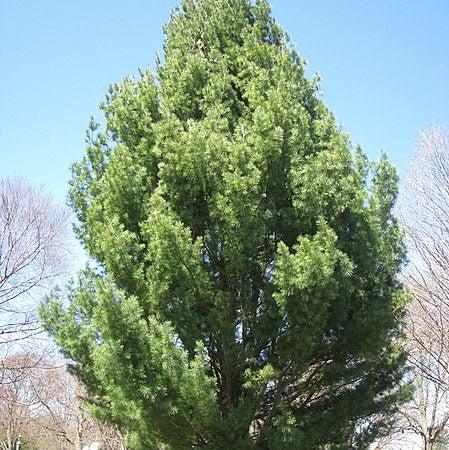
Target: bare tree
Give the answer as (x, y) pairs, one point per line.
(34, 235)
(421, 423)
(428, 414)
(398, 438)
(40, 402)
(33, 395)
(424, 213)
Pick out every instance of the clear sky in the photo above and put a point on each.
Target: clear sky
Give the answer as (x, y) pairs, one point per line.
(384, 66)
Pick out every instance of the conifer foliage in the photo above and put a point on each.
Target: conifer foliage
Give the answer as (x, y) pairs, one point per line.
(245, 289)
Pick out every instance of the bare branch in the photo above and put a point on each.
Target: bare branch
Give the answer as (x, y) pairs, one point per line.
(34, 246)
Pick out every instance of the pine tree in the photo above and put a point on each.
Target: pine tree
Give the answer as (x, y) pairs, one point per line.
(245, 290)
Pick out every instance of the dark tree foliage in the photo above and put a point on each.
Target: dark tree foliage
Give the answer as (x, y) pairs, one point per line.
(246, 290)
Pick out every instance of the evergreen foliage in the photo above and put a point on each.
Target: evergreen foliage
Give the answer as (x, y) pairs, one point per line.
(245, 291)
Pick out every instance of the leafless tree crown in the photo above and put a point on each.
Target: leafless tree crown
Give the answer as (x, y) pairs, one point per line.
(34, 236)
(424, 214)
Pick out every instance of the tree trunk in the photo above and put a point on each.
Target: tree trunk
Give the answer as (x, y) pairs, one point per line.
(428, 444)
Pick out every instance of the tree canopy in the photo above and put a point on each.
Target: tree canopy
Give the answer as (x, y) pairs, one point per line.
(245, 290)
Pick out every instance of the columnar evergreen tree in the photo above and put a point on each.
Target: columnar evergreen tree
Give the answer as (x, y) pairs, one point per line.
(245, 292)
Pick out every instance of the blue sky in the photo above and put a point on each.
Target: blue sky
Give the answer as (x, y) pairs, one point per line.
(384, 66)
